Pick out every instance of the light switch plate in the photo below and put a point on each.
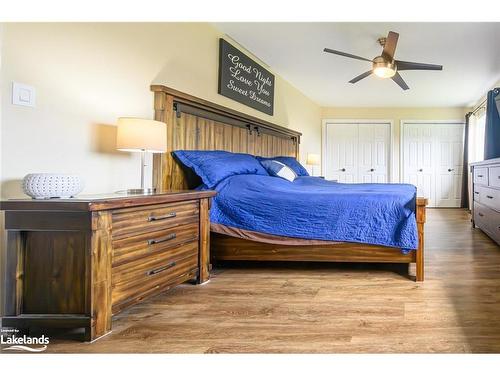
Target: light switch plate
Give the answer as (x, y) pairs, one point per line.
(23, 94)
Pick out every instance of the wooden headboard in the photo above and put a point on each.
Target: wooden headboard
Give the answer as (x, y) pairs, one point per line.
(197, 124)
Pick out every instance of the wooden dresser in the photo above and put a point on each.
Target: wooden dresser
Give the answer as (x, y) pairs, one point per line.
(486, 192)
(77, 262)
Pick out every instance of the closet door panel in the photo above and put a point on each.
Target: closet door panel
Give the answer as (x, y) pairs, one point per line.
(374, 141)
(365, 153)
(342, 152)
(449, 163)
(418, 155)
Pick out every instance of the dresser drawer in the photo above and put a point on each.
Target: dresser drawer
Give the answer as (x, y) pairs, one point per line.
(130, 222)
(494, 176)
(136, 247)
(477, 193)
(481, 175)
(135, 280)
(487, 197)
(487, 220)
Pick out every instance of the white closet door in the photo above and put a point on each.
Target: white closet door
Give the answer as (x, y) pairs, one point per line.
(373, 154)
(341, 152)
(433, 154)
(418, 157)
(449, 164)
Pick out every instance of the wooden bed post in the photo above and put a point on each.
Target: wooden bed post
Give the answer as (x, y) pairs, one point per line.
(419, 254)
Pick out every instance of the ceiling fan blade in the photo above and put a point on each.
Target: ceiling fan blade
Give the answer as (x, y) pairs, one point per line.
(399, 80)
(361, 76)
(345, 54)
(390, 45)
(408, 65)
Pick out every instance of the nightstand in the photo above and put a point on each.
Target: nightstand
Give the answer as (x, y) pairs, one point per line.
(77, 262)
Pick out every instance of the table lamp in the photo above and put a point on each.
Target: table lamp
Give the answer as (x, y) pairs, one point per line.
(312, 160)
(141, 135)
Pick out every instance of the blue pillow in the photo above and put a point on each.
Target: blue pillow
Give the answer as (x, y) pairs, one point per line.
(278, 169)
(290, 162)
(214, 166)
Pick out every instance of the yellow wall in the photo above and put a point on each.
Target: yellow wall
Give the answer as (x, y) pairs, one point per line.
(87, 75)
(396, 115)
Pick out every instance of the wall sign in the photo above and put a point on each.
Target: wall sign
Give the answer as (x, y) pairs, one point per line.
(243, 80)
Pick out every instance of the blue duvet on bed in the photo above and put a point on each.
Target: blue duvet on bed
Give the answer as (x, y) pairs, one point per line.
(313, 208)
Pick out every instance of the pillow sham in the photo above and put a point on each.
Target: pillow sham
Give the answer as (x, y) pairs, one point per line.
(278, 169)
(290, 162)
(214, 166)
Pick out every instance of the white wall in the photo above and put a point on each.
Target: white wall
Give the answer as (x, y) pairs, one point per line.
(87, 75)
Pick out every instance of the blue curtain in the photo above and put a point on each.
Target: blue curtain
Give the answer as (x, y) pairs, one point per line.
(492, 128)
(465, 171)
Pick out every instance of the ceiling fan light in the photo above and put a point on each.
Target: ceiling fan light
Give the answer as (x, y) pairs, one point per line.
(384, 72)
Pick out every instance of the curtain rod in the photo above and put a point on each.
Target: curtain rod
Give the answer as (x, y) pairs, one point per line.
(479, 106)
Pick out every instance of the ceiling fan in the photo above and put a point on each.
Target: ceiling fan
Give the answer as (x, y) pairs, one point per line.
(385, 66)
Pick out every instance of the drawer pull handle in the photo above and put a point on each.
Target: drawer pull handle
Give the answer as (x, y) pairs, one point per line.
(450, 169)
(476, 192)
(480, 214)
(163, 239)
(480, 175)
(160, 269)
(162, 217)
(489, 197)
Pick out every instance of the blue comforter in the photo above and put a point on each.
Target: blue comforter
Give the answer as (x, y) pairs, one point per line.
(313, 208)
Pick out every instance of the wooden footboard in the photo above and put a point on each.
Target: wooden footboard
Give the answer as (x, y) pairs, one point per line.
(232, 248)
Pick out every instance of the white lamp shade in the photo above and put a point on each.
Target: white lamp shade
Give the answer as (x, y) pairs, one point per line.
(313, 159)
(136, 134)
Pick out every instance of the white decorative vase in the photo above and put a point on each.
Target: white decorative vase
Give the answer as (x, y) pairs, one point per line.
(52, 185)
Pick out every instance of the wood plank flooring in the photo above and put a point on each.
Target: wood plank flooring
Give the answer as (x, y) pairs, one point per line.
(327, 308)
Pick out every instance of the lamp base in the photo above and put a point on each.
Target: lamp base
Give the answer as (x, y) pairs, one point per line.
(145, 191)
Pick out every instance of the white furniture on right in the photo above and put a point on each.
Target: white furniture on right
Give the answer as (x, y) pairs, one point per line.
(486, 204)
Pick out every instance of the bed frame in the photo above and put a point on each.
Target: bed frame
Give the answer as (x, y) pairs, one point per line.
(196, 124)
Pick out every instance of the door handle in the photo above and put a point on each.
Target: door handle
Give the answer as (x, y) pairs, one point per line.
(450, 169)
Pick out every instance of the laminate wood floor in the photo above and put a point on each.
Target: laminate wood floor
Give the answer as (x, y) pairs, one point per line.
(327, 308)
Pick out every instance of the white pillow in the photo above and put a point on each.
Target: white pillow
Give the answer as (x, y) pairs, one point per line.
(278, 169)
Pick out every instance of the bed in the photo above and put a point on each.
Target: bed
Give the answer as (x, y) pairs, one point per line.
(195, 124)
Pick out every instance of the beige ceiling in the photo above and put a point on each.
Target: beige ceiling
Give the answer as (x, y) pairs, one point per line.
(469, 52)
